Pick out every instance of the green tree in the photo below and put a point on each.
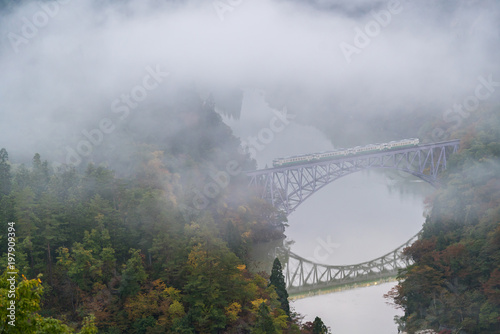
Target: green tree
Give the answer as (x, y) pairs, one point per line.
(319, 327)
(234, 240)
(65, 184)
(277, 279)
(5, 176)
(40, 175)
(101, 215)
(99, 180)
(51, 326)
(89, 326)
(27, 221)
(26, 302)
(85, 268)
(27, 297)
(133, 274)
(22, 178)
(99, 242)
(52, 230)
(213, 283)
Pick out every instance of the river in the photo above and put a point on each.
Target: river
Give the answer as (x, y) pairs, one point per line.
(361, 216)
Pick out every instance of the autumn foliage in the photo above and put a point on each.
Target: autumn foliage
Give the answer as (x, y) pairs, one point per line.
(454, 284)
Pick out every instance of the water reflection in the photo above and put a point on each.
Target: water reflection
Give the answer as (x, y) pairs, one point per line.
(358, 218)
(354, 219)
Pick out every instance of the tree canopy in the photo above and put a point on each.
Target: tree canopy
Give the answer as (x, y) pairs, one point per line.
(127, 251)
(454, 283)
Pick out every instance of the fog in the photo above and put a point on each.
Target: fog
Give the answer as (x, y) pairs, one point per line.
(64, 63)
(70, 66)
(354, 214)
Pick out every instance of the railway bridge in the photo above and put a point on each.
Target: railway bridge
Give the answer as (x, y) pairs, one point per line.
(288, 187)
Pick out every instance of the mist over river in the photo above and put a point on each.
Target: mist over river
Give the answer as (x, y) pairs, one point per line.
(354, 219)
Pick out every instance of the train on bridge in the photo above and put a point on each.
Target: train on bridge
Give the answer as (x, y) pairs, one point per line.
(342, 152)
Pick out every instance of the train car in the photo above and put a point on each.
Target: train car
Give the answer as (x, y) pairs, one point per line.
(292, 160)
(341, 152)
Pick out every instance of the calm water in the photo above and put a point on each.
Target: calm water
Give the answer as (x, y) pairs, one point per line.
(362, 216)
(354, 311)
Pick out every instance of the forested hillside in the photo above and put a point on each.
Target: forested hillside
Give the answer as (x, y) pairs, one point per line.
(454, 284)
(136, 243)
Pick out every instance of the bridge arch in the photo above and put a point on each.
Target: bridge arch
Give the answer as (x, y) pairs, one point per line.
(433, 182)
(305, 276)
(288, 187)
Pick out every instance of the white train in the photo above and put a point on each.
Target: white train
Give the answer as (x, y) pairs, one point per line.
(341, 152)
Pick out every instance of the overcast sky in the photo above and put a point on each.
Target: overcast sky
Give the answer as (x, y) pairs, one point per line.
(63, 65)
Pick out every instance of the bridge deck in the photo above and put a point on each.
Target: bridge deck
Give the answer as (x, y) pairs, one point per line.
(288, 186)
(365, 155)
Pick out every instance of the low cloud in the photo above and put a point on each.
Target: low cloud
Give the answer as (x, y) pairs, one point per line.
(79, 56)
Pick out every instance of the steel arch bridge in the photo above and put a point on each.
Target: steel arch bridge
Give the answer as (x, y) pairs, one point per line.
(303, 276)
(288, 187)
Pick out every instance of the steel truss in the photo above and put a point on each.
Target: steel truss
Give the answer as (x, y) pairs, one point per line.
(288, 187)
(302, 275)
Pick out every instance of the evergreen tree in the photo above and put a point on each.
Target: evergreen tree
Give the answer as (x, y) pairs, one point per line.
(40, 175)
(234, 240)
(133, 274)
(27, 221)
(319, 327)
(5, 176)
(277, 279)
(22, 178)
(52, 231)
(6, 202)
